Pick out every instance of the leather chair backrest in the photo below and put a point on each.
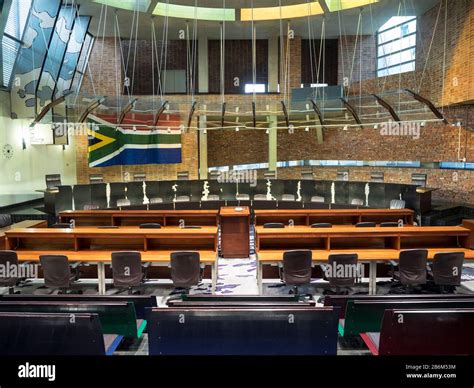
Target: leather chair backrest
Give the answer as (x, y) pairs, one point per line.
(273, 225)
(297, 267)
(127, 269)
(389, 224)
(366, 225)
(5, 220)
(447, 268)
(150, 225)
(8, 258)
(349, 266)
(412, 266)
(322, 225)
(397, 204)
(185, 269)
(56, 271)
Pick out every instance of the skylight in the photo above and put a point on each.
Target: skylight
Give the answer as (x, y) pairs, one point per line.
(191, 12)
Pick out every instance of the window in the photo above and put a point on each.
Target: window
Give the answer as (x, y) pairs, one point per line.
(258, 88)
(12, 37)
(82, 62)
(396, 46)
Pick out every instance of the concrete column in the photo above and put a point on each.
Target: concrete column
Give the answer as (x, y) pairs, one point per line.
(202, 148)
(272, 144)
(273, 65)
(203, 66)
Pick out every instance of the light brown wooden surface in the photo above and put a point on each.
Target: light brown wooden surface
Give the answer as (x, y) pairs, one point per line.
(229, 211)
(125, 238)
(350, 237)
(335, 216)
(136, 217)
(235, 228)
(105, 256)
(364, 254)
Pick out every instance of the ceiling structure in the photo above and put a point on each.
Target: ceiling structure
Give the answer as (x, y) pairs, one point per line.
(373, 16)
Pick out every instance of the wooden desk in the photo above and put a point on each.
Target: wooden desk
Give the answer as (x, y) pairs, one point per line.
(21, 224)
(88, 238)
(371, 244)
(137, 217)
(235, 229)
(95, 245)
(101, 258)
(334, 216)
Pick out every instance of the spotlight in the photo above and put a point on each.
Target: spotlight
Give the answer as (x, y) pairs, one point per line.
(267, 131)
(345, 128)
(205, 131)
(307, 129)
(237, 129)
(169, 130)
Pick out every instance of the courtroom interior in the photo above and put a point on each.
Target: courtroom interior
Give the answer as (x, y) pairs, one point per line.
(233, 163)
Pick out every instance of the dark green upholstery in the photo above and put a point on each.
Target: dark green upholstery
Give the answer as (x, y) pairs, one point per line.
(366, 316)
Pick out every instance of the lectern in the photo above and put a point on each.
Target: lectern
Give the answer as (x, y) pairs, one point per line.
(235, 227)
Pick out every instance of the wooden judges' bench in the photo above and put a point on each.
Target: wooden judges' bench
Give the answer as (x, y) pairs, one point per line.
(371, 244)
(95, 244)
(334, 216)
(137, 217)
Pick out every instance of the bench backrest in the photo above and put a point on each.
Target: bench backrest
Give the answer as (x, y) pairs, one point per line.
(427, 332)
(234, 331)
(341, 300)
(141, 302)
(33, 334)
(115, 317)
(363, 316)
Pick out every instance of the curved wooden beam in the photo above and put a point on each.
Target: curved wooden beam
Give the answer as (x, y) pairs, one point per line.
(160, 112)
(318, 112)
(428, 103)
(254, 114)
(125, 110)
(191, 113)
(50, 106)
(351, 109)
(387, 106)
(223, 114)
(92, 106)
(285, 113)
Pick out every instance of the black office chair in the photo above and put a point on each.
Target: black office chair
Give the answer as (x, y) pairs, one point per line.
(273, 225)
(57, 273)
(389, 224)
(411, 270)
(341, 284)
(150, 225)
(5, 220)
(321, 225)
(186, 271)
(62, 225)
(446, 270)
(365, 225)
(297, 266)
(9, 258)
(127, 271)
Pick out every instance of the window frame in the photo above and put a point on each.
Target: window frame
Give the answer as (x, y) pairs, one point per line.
(19, 41)
(387, 54)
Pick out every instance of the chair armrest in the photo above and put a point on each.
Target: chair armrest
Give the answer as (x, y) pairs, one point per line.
(76, 264)
(146, 264)
(393, 263)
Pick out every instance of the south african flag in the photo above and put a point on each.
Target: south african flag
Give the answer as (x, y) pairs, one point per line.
(115, 146)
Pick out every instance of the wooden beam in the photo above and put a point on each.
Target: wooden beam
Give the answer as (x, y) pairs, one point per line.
(351, 109)
(191, 113)
(92, 106)
(160, 112)
(49, 106)
(285, 113)
(387, 106)
(428, 103)
(125, 110)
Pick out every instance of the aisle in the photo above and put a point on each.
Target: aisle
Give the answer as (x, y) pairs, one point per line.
(237, 276)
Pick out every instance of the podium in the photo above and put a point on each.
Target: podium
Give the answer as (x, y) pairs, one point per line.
(235, 228)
